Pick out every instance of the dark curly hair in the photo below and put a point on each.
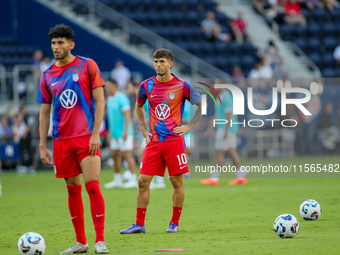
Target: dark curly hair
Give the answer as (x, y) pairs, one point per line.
(163, 53)
(61, 31)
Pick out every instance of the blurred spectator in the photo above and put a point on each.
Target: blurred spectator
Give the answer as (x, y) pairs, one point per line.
(265, 69)
(5, 129)
(45, 63)
(328, 133)
(336, 54)
(273, 9)
(293, 13)
(280, 70)
(255, 72)
(331, 4)
(212, 30)
(132, 95)
(272, 54)
(25, 123)
(238, 76)
(36, 60)
(121, 75)
(238, 27)
(314, 4)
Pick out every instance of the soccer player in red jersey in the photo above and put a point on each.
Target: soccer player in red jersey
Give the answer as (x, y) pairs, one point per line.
(165, 147)
(75, 87)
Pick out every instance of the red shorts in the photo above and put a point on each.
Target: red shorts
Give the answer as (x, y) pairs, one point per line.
(158, 155)
(68, 153)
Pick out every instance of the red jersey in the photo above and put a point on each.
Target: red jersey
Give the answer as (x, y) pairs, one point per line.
(166, 105)
(69, 89)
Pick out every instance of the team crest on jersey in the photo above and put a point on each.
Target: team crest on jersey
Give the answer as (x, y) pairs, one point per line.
(172, 96)
(75, 77)
(68, 98)
(162, 111)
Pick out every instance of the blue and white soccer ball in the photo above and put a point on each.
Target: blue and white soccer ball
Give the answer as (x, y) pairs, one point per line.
(310, 210)
(286, 226)
(31, 244)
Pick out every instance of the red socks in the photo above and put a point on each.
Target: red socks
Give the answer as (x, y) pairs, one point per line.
(176, 214)
(97, 208)
(75, 205)
(141, 212)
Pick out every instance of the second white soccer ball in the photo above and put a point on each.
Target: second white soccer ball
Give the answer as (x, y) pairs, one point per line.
(286, 226)
(31, 244)
(310, 210)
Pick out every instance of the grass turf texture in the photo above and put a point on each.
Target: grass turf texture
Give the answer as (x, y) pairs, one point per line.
(215, 220)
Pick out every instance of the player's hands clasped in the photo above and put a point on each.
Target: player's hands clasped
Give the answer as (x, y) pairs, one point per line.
(45, 156)
(182, 130)
(94, 144)
(147, 136)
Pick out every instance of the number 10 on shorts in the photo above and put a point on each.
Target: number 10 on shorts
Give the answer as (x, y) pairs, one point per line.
(182, 159)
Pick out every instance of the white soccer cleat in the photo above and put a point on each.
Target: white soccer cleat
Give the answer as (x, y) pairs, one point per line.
(114, 184)
(100, 248)
(131, 184)
(77, 248)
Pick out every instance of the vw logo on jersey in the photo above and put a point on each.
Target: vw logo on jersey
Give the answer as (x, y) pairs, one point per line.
(172, 96)
(68, 98)
(162, 111)
(75, 77)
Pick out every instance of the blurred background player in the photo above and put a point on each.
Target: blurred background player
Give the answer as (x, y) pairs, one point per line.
(166, 94)
(225, 140)
(75, 87)
(120, 135)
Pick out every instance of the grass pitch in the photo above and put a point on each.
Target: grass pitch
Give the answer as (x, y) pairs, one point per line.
(215, 220)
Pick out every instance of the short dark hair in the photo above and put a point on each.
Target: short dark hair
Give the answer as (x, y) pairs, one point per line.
(112, 81)
(61, 31)
(163, 53)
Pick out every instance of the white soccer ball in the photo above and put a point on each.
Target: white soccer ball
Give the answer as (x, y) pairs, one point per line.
(127, 175)
(286, 226)
(310, 210)
(31, 244)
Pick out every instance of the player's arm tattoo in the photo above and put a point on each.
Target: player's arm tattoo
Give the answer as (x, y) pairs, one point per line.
(197, 116)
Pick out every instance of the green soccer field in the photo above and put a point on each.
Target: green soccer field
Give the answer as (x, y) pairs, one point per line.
(215, 220)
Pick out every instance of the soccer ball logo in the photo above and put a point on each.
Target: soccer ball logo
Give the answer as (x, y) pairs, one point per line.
(31, 244)
(286, 226)
(310, 210)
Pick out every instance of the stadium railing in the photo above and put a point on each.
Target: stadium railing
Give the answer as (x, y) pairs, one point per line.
(129, 27)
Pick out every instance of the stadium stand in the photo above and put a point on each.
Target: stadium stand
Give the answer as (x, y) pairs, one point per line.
(318, 39)
(13, 53)
(180, 22)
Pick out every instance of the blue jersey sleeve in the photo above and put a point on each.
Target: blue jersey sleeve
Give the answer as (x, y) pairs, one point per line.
(141, 96)
(190, 93)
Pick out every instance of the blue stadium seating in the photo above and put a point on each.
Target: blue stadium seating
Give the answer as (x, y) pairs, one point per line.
(286, 32)
(330, 43)
(329, 73)
(320, 16)
(328, 29)
(314, 44)
(314, 30)
(179, 21)
(320, 40)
